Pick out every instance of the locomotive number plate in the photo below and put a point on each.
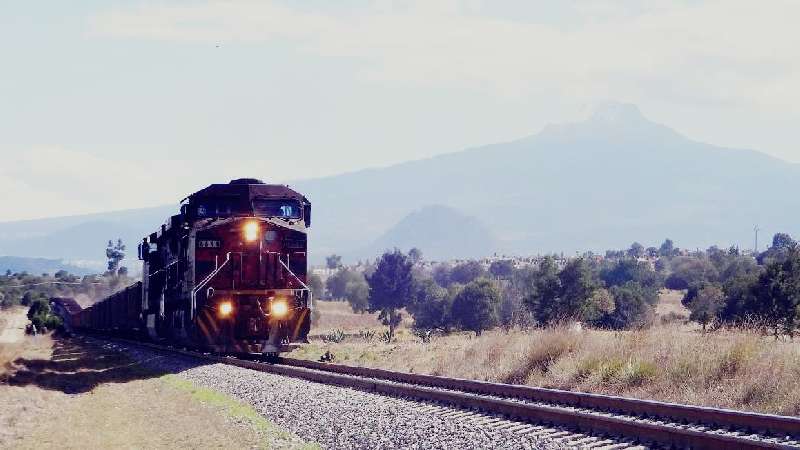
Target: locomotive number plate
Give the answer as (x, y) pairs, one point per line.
(208, 243)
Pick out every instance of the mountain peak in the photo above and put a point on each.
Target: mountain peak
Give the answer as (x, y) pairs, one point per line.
(610, 121)
(618, 113)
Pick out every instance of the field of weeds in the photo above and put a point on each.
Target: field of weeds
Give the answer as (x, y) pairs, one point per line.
(671, 361)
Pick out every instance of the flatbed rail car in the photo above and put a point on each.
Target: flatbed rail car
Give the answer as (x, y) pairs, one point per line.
(227, 275)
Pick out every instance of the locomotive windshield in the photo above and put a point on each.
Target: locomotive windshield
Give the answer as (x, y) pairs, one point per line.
(217, 209)
(286, 209)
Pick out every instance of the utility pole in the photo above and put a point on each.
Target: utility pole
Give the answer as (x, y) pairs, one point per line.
(756, 230)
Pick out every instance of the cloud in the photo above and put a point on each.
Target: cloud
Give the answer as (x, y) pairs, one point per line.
(712, 51)
(54, 181)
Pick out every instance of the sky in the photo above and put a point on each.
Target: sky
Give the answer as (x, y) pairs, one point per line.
(113, 104)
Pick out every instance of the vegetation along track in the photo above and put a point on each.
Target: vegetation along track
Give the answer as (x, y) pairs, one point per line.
(647, 422)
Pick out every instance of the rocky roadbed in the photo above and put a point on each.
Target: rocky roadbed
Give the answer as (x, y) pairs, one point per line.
(338, 417)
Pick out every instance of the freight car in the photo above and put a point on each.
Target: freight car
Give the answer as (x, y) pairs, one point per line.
(227, 274)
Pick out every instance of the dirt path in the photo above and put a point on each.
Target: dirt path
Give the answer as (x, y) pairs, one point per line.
(14, 329)
(67, 394)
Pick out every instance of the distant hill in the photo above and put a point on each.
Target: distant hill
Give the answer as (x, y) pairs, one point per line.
(81, 238)
(432, 229)
(600, 183)
(38, 266)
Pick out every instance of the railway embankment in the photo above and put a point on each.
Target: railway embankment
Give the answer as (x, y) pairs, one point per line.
(673, 361)
(67, 394)
(341, 416)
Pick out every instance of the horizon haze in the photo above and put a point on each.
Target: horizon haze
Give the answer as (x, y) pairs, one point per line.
(124, 104)
(601, 183)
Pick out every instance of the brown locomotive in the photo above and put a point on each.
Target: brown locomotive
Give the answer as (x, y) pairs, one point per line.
(227, 274)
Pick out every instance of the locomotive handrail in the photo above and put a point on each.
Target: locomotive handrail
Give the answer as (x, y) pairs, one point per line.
(205, 281)
(305, 286)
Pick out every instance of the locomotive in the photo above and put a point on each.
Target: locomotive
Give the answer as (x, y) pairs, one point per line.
(225, 275)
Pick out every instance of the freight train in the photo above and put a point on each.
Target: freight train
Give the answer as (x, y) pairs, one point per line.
(225, 275)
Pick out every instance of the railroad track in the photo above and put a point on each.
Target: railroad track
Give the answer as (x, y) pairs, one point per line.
(645, 422)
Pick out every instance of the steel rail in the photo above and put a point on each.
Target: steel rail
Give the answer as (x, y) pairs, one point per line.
(487, 397)
(723, 418)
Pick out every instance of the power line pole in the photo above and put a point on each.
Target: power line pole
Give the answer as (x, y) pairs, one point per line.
(756, 230)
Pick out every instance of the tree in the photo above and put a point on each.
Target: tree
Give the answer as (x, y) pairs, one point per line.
(415, 255)
(390, 288)
(690, 271)
(351, 286)
(466, 272)
(441, 274)
(636, 250)
(667, 248)
(631, 308)
(512, 310)
(740, 299)
(570, 294)
(624, 271)
(475, 306)
(502, 269)
(357, 294)
(431, 306)
(40, 315)
(782, 241)
(333, 262)
(777, 294)
(578, 285)
(115, 254)
(337, 282)
(317, 286)
(706, 305)
(31, 297)
(600, 305)
(543, 289)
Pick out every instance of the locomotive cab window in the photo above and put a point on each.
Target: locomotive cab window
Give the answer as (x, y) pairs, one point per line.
(215, 209)
(286, 209)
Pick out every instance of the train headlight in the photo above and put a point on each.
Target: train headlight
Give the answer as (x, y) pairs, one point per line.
(278, 308)
(225, 309)
(251, 231)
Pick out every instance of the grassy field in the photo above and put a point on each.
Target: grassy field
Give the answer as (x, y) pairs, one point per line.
(671, 361)
(339, 315)
(63, 394)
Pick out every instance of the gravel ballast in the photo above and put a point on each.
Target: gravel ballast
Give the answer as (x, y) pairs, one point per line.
(338, 417)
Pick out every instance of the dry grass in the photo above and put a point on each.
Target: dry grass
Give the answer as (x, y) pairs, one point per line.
(670, 309)
(340, 316)
(732, 369)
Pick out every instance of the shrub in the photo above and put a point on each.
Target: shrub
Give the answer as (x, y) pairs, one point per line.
(366, 335)
(334, 336)
(424, 335)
